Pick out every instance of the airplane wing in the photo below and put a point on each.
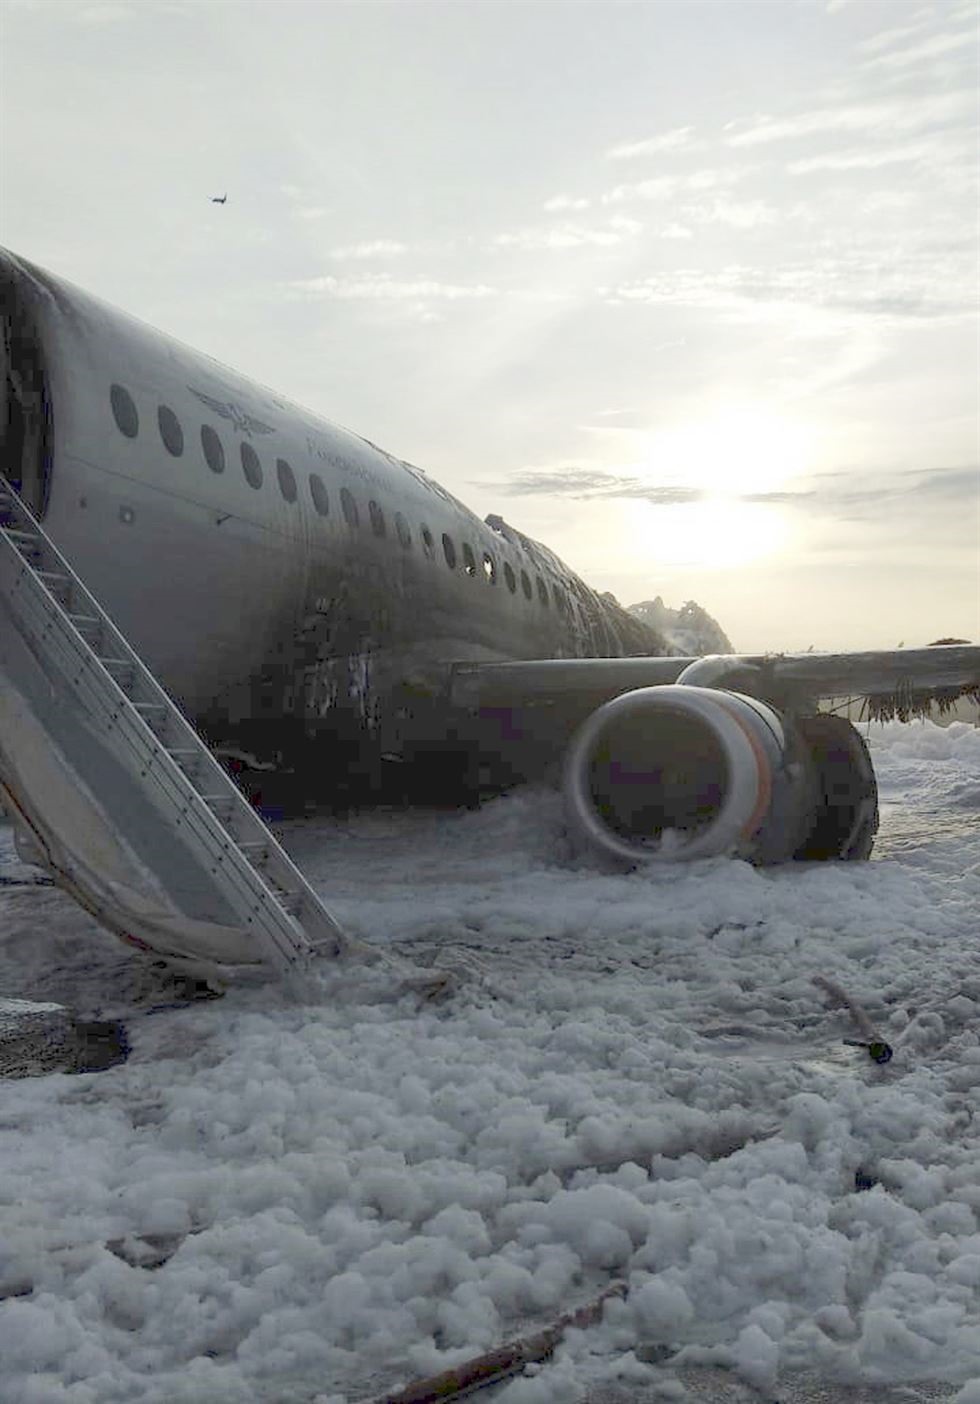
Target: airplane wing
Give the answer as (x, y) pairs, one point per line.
(898, 683)
(727, 753)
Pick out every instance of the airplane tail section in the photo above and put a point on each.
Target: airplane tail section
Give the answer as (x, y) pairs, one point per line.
(113, 791)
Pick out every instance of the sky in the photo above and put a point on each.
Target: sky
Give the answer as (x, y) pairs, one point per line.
(687, 291)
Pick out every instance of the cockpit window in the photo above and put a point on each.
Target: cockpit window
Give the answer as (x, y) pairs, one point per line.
(489, 568)
(401, 527)
(428, 545)
(170, 431)
(469, 560)
(251, 466)
(124, 411)
(510, 577)
(542, 591)
(213, 451)
(287, 480)
(377, 518)
(449, 551)
(526, 584)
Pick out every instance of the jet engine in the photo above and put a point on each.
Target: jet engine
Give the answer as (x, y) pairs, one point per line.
(678, 772)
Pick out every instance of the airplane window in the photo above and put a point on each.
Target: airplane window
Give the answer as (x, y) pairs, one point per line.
(377, 518)
(124, 411)
(401, 527)
(542, 591)
(213, 451)
(469, 560)
(251, 466)
(510, 577)
(449, 551)
(489, 568)
(287, 481)
(170, 431)
(321, 499)
(351, 515)
(427, 542)
(526, 584)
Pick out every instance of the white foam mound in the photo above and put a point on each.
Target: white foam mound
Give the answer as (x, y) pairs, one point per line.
(278, 1201)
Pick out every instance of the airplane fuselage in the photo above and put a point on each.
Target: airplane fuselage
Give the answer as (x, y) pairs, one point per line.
(274, 570)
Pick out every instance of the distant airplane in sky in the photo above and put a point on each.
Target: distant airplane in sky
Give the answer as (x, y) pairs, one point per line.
(219, 199)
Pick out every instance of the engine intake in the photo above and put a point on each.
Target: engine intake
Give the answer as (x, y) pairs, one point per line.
(678, 772)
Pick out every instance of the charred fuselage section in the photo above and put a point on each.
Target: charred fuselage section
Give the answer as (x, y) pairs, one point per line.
(25, 404)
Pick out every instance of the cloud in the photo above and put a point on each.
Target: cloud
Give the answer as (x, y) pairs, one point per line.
(659, 188)
(381, 287)
(884, 494)
(585, 483)
(674, 140)
(558, 203)
(936, 47)
(711, 178)
(902, 116)
(666, 187)
(675, 231)
(864, 159)
(885, 38)
(924, 286)
(833, 494)
(570, 236)
(303, 202)
(748, 214)
(371, 248)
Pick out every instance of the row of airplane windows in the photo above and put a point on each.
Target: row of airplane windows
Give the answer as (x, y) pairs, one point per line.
(126, 415)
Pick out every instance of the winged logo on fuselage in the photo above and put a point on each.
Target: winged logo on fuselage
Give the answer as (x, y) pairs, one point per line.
(244, 422)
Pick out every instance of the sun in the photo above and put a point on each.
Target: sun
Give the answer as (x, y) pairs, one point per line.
(713, 535)
(737, 463)
(737, 451)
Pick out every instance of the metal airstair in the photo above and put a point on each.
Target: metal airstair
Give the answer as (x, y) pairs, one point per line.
(166, 802)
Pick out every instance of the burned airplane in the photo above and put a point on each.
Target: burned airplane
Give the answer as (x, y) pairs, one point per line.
(185, 554)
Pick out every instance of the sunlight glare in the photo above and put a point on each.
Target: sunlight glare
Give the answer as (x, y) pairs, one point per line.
(714, 535)
(737, 451)
(732, 459)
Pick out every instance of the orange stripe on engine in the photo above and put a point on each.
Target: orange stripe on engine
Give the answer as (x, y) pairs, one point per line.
(764, 796)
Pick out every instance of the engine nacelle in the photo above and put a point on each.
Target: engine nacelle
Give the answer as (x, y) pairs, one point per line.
(677, 772)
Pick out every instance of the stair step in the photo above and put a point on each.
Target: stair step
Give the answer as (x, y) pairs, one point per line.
(122, 671)
(222, 806)
(17, 535)
(118, 665)
(85, 621)
(189, 761)
(54, 579)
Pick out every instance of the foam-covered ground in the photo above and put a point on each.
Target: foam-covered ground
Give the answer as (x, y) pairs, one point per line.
(316, 1201)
